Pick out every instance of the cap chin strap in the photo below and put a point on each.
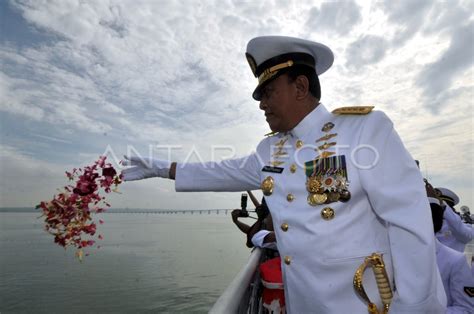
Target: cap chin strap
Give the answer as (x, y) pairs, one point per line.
(447, 199)
(272, 71)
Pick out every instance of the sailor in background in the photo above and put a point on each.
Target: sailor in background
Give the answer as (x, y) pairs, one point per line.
(466, 215)
(455, 233)
(342, 190)
(458, 280)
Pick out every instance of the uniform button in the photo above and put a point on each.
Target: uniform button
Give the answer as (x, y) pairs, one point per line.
(299, 143)
(327, 213)
(293, 168)
(287, 260)
(284, 226)
(267, 186)
(290, 197)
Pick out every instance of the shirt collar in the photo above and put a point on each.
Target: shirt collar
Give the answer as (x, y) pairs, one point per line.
(312, 119)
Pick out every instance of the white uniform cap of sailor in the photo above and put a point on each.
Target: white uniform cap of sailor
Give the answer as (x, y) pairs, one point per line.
(268, 55)
(447, 194)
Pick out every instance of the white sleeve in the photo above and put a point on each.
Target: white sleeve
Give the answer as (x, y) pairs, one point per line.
(434, 200)
(230, 175)
(461, 231)
(396, 190)
(461, 277)
(259, 237)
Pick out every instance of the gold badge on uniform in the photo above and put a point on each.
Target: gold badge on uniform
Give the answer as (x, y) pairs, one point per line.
(279, 153)
(326, 145)
(326, 137)
(327, 127)
(326, 154)
(276, 163)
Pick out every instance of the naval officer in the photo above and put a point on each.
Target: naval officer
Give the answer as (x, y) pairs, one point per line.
(455, 233)
(458, 280)
(352, 221)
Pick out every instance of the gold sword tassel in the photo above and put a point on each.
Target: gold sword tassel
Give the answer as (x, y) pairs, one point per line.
(381, 278)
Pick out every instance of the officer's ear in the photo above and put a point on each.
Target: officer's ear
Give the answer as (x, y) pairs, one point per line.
(302, 87)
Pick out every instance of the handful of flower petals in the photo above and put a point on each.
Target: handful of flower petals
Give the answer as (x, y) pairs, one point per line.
(68, 216)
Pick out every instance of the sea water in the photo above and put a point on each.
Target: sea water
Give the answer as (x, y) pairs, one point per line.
(148, 262)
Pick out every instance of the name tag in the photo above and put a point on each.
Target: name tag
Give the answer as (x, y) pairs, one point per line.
(272, 169)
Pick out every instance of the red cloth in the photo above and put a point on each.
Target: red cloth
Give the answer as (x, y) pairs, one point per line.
(273, 295)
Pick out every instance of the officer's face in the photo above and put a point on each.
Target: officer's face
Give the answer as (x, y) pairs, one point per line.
(277, 102)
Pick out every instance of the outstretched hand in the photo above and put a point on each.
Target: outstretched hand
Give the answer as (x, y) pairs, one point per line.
(142, 168)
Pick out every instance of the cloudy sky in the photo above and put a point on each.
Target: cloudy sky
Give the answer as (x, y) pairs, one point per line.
(80, 78)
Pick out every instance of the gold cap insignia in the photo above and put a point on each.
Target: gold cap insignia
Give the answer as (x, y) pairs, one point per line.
(272, 71)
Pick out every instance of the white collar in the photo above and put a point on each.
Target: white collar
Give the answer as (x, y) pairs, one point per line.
(317, 117)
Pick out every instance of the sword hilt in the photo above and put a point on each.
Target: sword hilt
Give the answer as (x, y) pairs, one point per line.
(376, 262)
(381, 278)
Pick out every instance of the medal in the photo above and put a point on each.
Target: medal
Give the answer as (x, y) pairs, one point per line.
(333, 197)
(329, 183)
(317, 199)
(341, 183)
(267, 186)
(313, 185)
(344, 196)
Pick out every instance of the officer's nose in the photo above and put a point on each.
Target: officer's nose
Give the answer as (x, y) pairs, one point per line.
(263, 104)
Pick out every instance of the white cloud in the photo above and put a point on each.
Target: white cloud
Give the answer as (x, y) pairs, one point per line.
(408, 16)
(168, 72)
(338, 17)
(436, 78)
(365, 51)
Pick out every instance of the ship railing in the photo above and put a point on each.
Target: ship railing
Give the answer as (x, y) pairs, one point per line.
(241, 295)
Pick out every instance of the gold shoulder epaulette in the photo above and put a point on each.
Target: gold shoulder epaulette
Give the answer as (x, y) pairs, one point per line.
(271, 134)
(353, 110)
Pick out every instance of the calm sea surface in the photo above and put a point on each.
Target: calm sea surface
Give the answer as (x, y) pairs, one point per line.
(155, 263)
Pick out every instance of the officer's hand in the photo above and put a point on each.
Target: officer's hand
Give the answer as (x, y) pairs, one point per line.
(235, 214)
(142, 168)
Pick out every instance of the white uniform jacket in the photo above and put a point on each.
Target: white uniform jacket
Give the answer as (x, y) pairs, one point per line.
(388, 213)
(456, 276)
(455, 233)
